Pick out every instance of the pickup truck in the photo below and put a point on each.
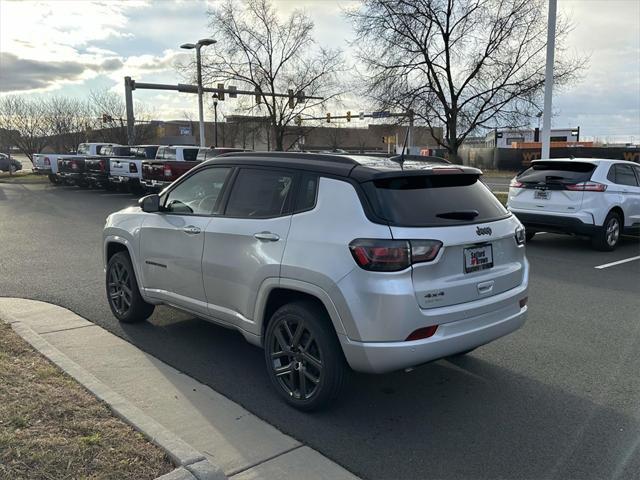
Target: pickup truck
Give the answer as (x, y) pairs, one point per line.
(165, 169)
(47, 163)
(128, 172)
(170, 163)
(96, 169)
(71, 168)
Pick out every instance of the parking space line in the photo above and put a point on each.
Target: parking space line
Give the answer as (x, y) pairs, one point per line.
(613, 264)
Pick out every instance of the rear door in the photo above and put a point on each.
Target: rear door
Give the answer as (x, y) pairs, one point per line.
(549, 186)
(627, 186)
(479, 256)
(172, 240)
(245, 245)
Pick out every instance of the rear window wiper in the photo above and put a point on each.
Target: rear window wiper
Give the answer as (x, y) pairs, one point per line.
(459, 215)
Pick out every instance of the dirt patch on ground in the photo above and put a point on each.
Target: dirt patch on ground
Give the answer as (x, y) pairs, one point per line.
(52, 428)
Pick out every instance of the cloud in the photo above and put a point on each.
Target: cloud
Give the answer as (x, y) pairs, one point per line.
(20, 74)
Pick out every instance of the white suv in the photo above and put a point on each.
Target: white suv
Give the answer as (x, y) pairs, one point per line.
(325, 261)
(583, 196)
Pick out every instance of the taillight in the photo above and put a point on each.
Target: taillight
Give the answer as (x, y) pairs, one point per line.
(74, 165)
(587, 187)
(167, 171)
(421, 333)
(515, 183)
(101, 165)
(133, 168)
(47, 161)
(444, 170)
(392, 255)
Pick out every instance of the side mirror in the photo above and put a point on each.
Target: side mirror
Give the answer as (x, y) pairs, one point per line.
(150, 203)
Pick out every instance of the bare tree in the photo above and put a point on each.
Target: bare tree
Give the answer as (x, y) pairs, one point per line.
(24, 124)
(68, 120)
(261, 52)
(109, 124)
(464, 64)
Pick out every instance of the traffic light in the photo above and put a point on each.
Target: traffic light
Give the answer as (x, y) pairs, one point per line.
(348, 116)
(258, 96)
(328, 117)
(221, 91)
(292, 102)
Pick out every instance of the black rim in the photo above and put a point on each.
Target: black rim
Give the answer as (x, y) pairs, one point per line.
(119, 285)
(296, 359)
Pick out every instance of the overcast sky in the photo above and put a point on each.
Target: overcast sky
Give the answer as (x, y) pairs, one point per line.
(70, 47)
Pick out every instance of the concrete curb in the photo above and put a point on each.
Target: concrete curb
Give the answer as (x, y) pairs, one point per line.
(191, 464)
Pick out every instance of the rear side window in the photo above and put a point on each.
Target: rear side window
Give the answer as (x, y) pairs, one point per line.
(190, 154)
(260, 194)
(307, 193)
(433, 200)
(622, 175)
(567, 173)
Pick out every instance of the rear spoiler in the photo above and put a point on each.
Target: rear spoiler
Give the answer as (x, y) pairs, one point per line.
(364, 174)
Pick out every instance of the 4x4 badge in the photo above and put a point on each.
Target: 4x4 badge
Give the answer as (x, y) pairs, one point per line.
(483, 231)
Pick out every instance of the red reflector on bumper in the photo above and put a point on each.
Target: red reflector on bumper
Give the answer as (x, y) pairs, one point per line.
(523, 301)
(421, 333)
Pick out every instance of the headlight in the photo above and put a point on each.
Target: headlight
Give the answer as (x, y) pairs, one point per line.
(521, 236)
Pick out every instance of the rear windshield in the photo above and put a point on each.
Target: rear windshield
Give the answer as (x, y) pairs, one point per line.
(433, 200)
(557, 172)
(190, 154)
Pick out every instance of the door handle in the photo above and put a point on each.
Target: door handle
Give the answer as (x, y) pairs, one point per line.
(267, 236)
(191, 230)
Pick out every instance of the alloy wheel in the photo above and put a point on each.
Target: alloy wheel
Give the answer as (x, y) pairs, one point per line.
(613, 231)
(120, 292)
(296, 359)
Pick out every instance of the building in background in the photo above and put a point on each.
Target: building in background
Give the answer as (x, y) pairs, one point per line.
(510, 137)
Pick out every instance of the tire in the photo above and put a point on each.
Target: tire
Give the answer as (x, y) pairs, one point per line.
(122, 288)
(313, 368)
(529, 235)
(608, 236)
(53, 180)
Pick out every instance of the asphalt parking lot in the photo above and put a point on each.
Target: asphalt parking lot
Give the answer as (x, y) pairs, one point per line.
(557, 399)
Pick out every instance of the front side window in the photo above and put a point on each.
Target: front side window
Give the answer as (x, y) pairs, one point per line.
(260, 194)
(199, 194)
(83, 149)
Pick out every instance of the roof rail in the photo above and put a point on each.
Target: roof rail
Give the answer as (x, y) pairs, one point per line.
(298, 156)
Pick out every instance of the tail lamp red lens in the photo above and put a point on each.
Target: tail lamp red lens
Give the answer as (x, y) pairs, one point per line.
(47, 161)
(587, 187)
(421, 333)
(101, 164)
(515, 184)
(167, 171)
(133, 168)
(379, 255)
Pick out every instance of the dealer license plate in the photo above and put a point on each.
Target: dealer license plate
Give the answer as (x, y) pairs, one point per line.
(541, 194)
(478, 258)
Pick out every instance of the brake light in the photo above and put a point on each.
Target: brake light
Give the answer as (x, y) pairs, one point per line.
(133, 168)
(392, 255)
(167, 171)
(515, 183)
(101, 165)
(421, 333)
(74, 165)
(587, 187)
(444, 170)
(47, 161)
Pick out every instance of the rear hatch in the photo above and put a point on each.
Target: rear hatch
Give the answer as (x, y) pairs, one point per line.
(153, 171)
(71, 164)
(121, 167)
(96, 164)
(551, 186)
(479, 256)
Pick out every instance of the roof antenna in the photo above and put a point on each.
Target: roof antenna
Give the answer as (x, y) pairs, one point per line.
(400, 158)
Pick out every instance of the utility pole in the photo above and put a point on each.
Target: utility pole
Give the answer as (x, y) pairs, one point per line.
(128, 98)
(548, 80)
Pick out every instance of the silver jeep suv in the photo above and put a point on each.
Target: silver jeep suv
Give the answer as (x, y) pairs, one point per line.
(326, 262)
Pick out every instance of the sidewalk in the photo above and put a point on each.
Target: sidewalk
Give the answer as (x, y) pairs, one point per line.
(228, 436)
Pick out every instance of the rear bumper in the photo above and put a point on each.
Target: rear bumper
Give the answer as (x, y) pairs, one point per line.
(154, 184)
(121, 179)
(41, 170)
(72, 177)
(449, 339)
(97, 178)
(580, 223)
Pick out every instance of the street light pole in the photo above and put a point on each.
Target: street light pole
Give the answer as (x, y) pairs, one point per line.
(215, 120)
(548, 81)
(198, 45)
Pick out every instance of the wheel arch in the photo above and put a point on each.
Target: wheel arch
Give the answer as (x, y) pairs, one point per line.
(276, 293)
(618, 209)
